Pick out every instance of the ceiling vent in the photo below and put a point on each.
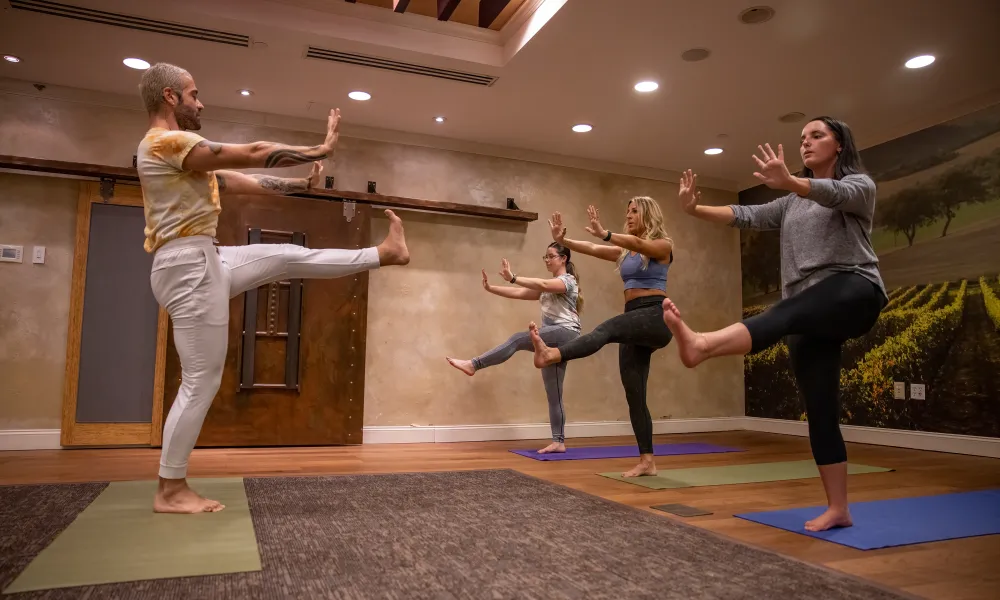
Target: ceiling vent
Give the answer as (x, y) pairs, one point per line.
(401, 67)
(129, 22)
(756, 15)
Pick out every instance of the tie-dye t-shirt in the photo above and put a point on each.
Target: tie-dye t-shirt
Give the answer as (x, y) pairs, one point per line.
(177, 203)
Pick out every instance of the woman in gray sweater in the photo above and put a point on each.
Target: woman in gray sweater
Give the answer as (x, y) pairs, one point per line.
(831, 287)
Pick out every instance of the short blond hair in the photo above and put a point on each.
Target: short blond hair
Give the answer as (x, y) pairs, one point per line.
(157, 78)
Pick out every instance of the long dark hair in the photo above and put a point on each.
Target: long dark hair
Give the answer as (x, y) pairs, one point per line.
(848, 159)
(571, 269)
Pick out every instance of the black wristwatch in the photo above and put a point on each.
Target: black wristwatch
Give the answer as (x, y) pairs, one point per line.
(513, 278)
(607, 238)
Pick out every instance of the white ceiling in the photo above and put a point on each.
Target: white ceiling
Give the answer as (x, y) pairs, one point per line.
(838, 57)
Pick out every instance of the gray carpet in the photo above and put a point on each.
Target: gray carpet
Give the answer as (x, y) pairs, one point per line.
(471, 534)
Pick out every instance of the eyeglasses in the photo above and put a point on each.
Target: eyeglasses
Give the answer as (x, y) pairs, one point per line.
(549, 257)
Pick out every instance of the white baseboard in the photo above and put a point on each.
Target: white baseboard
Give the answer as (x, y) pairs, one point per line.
(30, 439)
(536, 431)
(898, 438)
(48, 439)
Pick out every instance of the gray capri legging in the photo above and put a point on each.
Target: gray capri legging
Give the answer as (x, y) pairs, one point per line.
(552, 375)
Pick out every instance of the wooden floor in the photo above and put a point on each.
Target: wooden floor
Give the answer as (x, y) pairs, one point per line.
(959, 569)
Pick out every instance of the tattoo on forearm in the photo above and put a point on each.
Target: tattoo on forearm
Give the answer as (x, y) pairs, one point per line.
(286, 157)
(280, 184)
(222, 182)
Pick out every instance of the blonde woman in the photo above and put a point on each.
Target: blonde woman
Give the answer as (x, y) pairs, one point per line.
(644, 254)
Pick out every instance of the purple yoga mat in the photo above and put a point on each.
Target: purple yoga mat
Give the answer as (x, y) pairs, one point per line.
(626, 451)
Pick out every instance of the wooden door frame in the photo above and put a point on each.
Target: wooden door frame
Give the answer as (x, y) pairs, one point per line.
(104, 434)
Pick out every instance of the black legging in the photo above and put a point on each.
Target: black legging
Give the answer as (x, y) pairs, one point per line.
(639, 332)
(817, 322)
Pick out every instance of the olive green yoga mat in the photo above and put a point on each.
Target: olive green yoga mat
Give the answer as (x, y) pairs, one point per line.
(730, 474)
(119, 538)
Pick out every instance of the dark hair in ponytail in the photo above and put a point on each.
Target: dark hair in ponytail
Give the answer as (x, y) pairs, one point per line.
(849, 158)
(570, 269)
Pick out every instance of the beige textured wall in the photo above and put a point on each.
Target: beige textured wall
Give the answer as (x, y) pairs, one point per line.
(34, 299)
(436, 306)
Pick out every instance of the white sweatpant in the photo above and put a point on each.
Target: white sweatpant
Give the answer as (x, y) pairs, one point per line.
(194, 281)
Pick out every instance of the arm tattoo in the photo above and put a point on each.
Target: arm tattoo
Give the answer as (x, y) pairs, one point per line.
(280, 184)
(215, 147)
(286, 157)
(222, 182)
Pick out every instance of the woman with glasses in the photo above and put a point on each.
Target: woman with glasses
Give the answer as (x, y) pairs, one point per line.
(562, 304)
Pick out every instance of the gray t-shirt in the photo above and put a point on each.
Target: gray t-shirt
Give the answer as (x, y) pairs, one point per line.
(560, 309)
(828, 232)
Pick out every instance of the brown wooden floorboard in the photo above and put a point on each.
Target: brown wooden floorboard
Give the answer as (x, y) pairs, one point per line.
(959, 569)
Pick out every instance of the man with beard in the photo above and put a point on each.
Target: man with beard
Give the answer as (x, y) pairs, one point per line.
(182, 176)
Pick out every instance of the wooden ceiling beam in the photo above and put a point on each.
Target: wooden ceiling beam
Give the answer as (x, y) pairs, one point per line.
(446, 8)
(400, 5)
(489, 10)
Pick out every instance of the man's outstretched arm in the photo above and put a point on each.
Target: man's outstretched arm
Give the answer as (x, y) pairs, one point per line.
(235, 183)
(213, 156)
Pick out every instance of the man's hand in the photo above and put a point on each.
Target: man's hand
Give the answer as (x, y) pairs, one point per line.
(332, 131)
(313, 180)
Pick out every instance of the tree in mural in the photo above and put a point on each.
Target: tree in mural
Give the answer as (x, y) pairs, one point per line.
(761, 254)
(907, 211)
(955, 188)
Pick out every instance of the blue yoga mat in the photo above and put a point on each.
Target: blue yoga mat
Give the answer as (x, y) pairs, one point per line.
(899, 522)
(593, 452)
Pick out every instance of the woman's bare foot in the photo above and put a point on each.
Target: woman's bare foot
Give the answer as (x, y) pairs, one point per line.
(833, 517)
(464, 366)
(174, 496)
(646, 466)
(553, 447)
(544, 356)
(692, 347)
(392, 250)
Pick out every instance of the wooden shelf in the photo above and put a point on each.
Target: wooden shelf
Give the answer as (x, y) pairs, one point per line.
(20, 163)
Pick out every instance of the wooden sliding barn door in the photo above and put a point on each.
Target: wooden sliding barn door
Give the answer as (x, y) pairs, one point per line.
(294, 372)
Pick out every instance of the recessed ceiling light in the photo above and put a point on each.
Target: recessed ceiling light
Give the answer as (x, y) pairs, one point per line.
(136, 63)
(791, 117)
(713, 151)
(359, 96)
(646, 86)
(582, 128)
(245, 92)
(439, 119)
(11, 58)
(756, 14)
(919, 62)
(695, 54)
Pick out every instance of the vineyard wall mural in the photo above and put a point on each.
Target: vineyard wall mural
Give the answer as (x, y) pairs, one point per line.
(937, 235)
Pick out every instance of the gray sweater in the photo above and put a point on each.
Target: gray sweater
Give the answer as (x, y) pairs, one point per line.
(828, 232)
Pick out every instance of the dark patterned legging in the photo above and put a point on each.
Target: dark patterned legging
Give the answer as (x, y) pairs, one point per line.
(639, 332)
(815, 323)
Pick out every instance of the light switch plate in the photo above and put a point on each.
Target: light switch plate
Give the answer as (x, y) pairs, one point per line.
(899, 390)
(38, 257)
(11, 253)
(917, 391)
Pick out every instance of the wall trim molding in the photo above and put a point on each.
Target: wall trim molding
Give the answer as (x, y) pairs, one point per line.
(48, 439)
(30, 439)
(897, 438)
(417, 434)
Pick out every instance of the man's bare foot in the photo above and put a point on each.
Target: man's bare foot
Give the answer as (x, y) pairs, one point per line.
(464, 366)
(393, 250)
(646, 466)
(692, 347)
(553, 447)
(544, 356)
(174, 496)
(833, 517)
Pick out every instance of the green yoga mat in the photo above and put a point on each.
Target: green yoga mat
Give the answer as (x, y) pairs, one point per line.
(119, 538)
(730, 474)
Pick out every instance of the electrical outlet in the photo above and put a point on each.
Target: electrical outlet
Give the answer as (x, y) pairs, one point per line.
(11, 253)
(39, 256)
(917, 391)
(899, 390)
